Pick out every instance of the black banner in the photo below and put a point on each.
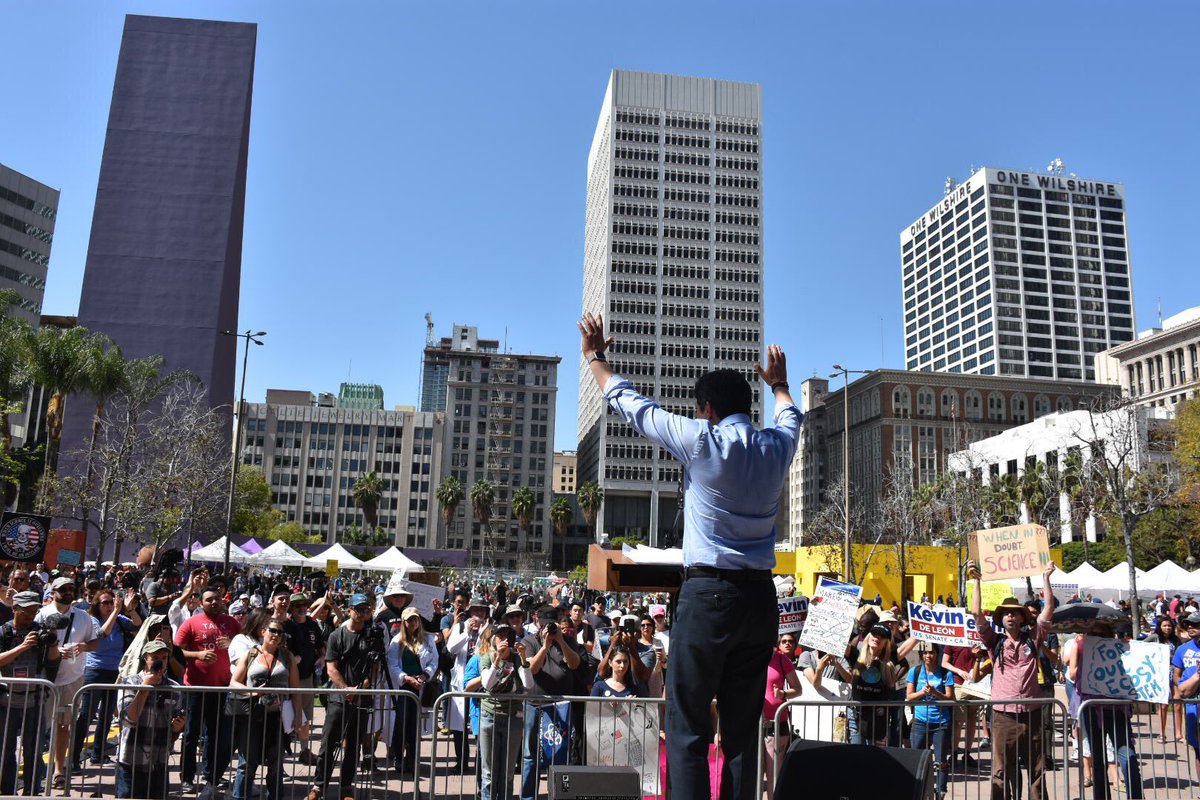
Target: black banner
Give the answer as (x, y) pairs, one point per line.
(23, 537)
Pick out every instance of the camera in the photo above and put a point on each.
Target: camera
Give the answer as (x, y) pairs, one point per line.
(629, 626)
(46, 629)
(376, 644)
(552, 629)
(129, 580)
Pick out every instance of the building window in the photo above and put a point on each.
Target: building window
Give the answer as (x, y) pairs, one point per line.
(949, 404)
(974, 403)
(901, 402)
(1041, 406)
(925, 402)
(995, 407)
(1020, 413)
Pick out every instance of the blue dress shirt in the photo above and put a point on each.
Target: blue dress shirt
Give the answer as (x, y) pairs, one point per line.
(732, 476)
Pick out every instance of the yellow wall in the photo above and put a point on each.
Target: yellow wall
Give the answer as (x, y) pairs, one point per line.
(931, 570)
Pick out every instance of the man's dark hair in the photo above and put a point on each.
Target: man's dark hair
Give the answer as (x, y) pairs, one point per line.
(727, 390)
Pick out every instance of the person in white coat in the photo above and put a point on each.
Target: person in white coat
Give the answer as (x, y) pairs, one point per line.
(464, 637)
(412, 661)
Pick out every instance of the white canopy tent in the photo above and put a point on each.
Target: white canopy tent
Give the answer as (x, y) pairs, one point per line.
(391, 560)
(216, 552)
(345, 559)
(1114, 583)
(279, 554)
(1168, 577)
(1085, 575)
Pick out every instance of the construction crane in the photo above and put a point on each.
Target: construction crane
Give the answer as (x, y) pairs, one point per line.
(428, 329)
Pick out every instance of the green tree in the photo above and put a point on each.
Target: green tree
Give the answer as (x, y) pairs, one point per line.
(367, 492)
(523, 504)
(14, 382)
(107, 376)
(58, 360)
(1003, 501)
(449, 496)
(252, 511)
(483, 497)
(590, 497)
(561, 515)
(292, 533)
(1187, 450)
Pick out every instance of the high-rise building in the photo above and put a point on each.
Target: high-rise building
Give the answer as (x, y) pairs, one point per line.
(500, 429)
(164, 261)
(1017, 273)
(360, 395)
(565, 472)
(312, 450)
(27, 213)
(435, 362)
(673, 260)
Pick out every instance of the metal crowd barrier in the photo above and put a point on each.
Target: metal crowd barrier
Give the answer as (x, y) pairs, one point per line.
(514, 750)
(1136, 751)
(981, 774)
(26, 735)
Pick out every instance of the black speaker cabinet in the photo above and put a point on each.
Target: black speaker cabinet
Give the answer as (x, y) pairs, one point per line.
(595, 783)
(829, 771)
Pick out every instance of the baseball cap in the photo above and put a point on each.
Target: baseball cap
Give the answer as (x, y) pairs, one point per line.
(359, 599)
(154, 646)
(61, 582)
(1193, 619)
(298, 597)
(26, 599)
(658, 610)
(514, 609)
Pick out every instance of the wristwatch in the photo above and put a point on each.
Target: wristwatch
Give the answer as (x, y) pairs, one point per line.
(597, 356)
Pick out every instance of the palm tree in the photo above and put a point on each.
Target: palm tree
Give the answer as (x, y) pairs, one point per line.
(449, 496)
(107, 376)
(1003, 501)
(560, 517)
(367, 492)
(523, 504)
(483, 496)
(590, 497)
(58, 360)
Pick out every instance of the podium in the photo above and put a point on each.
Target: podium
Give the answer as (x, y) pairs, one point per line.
(610, 570)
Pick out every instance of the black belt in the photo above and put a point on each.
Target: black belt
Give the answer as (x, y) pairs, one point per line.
(731, 575)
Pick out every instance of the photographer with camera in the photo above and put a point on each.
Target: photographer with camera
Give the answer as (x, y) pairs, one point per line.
(551, 659)
(352, 654)
(77, 635)
(27, 650)
(152, 717)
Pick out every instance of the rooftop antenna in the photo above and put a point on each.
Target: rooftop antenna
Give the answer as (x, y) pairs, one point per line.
(882, 355)
(1160, 315)
(1056, 167)
(349, 370)
(506, 338)
(948, 185)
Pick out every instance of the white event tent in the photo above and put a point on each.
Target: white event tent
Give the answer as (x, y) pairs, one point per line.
(337, 553)
(279, 554)
(1085, 575)
(1170, 578)
(216, 552)
(391, 560)
(1114, 583)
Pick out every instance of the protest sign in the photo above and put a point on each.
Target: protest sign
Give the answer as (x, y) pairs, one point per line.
(423, 597)
(792, 613)
(994, 593)
(944, 626)
(831, 616)
(626, 736)
(331, 567)
(825, 721)
(65, 547)
(23, 537)
(1134, 670)
(1016, 551)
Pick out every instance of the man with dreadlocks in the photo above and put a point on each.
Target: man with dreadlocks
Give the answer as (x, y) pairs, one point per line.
(1017, 728)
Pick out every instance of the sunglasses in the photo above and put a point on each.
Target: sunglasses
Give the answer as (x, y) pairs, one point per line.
(787, 641)
(276, 631)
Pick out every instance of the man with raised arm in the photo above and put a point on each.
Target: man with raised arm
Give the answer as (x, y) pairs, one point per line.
(727, 619)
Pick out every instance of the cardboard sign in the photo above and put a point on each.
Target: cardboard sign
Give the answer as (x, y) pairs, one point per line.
(331, 567)
(792, 613)
(423, 597)
(65, 547)
(23, 537)
(625, 736)
(1137, 670)
(944, 626)
(820, 721)
(831, 616)
(1016, 551)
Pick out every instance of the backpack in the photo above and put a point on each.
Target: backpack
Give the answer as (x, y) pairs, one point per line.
(998, 649)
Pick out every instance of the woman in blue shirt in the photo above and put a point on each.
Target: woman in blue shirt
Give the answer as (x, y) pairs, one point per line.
(929, 682)
(108, 611)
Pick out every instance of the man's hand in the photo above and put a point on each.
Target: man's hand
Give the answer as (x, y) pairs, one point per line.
(591, 329)
(177, 723)
(151, 678)
(972, 571)
(31, 641)
(776, 371)
(1046, 575)
(207, 656)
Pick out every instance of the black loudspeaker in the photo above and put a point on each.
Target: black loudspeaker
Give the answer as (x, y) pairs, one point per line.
(829, 771)
(595, 783)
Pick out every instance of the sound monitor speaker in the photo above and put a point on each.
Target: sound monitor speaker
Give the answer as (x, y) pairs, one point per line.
(833, 771)
(595, 783)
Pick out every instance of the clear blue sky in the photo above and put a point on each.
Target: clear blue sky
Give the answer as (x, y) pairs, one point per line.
(411, 157)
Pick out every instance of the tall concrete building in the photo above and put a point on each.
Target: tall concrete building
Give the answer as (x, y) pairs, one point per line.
(673, 260)
(565, 474)
(435, 361)
(1161, 367)
(27, 213)
(499, 428)
(312, 449)
(164, 261)
(1019, 274)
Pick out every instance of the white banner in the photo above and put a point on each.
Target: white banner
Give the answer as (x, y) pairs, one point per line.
(423, 597)
(944, 626)
(792, 613)
(625, 735)
(831, 616)
(1137, 670)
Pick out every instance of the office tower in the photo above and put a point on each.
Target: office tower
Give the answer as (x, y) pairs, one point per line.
(499, 428)
(1018, 274)
(564, 472)
(673, 259)
(27, 213)
(312, 449)
(164, 261)
(435, 361)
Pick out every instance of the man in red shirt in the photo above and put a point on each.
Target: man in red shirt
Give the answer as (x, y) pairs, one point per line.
(205, 639)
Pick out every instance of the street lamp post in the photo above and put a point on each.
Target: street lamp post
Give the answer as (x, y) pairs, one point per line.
(237, 440)
(848, 557)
